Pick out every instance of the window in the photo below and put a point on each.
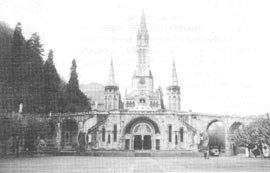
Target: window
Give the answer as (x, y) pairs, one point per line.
(115, 133)
(181, 135)
(126, 144)
(170, 133)
(109, 138)
(176, 140)
(103, 134)
(157, 144)
(142, 100)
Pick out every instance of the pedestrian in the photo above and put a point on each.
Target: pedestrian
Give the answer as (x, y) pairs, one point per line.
(206, 154)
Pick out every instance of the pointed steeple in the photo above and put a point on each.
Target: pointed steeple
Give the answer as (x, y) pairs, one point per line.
(143, 23)
(174, 94)
(143, 62)
(174, 81)
(142, 29)
(111, 79)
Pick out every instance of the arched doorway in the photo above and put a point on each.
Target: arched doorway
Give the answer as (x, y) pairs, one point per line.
(142, 136)
(142, 133)
(69, 129)
(216, 134)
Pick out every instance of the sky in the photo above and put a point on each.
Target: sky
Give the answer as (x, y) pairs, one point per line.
(220, 47)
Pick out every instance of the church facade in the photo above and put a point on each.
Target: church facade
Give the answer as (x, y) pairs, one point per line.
(140, 121)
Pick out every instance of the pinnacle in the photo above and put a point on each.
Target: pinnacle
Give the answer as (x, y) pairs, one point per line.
(143, 28)
(111, 78)
(174, 75)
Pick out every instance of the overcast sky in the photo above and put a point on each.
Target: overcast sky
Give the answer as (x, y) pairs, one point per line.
(221, 47)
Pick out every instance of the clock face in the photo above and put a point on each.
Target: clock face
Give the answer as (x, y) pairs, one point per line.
(142, 81)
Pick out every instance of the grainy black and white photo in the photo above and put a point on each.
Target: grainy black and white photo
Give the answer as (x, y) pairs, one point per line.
(95, 86)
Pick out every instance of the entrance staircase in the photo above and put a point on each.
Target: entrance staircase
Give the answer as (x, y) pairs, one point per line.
(142, 153)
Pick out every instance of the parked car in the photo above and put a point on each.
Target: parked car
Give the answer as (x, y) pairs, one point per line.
(214, 151)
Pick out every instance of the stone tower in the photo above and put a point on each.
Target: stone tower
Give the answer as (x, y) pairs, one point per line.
(143, 97)
(142, 80)
(173, 92)
(112, 94)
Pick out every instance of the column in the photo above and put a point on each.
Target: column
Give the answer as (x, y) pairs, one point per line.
(131, 142)
(79, 124)
(58, 136)
(153, 142)
(227, 142)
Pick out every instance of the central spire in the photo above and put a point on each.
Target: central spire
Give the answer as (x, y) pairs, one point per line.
(143, 67)
(143, 28)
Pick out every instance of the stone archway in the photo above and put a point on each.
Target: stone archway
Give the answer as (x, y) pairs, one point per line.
(215, 131)
(142, 133)
(69, 133)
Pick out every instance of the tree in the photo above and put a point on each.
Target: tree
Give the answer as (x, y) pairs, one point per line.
(15, 70)
(6, 39)
(32, 87)
(52, 85)
(22, 81)
(255, 133)
(76, 100)
(73, 81)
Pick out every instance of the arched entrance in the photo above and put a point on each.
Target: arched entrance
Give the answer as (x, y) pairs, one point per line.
(216, 134)
(142, 136)
(69, 133)
(142, 133)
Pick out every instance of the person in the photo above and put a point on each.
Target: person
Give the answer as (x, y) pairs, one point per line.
(247, 151)
(206, 154)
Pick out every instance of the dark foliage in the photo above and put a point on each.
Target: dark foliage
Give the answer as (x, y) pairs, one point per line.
(76, 101)
(26, 79)
(52, 85)
(6, 36)
(255, 133)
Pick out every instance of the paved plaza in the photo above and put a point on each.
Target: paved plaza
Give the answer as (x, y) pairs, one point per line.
(86, 164)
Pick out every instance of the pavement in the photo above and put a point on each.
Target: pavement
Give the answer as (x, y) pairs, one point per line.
(88, 164)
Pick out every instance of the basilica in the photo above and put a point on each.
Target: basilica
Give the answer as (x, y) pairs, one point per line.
(139, 120)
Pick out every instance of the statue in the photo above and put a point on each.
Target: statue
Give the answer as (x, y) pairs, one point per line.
(20, 108)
